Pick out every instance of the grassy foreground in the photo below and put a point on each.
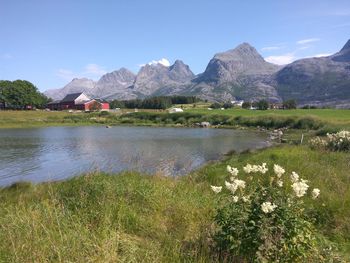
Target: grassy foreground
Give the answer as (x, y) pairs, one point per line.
(138, 218)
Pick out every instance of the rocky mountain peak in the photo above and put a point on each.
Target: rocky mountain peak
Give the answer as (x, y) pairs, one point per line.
(346, 46)
(344, 54)
(122, 75)
(242, 52)
(180, 72)
(241, 61)
(76, 85)
(113, 82)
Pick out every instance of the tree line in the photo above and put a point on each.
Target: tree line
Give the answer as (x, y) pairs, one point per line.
(21, 94)
(161, 102)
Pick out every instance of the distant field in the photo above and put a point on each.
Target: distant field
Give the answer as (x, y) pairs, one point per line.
(18, 119)
(26, 119)
(329, 115)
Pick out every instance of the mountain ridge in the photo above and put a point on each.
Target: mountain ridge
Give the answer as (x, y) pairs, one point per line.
(239, 73)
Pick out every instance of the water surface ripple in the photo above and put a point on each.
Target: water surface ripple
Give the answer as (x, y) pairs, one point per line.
(57, 153)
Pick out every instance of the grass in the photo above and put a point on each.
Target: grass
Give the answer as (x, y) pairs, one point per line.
(132, 217)
(329, 119)
(332, 116)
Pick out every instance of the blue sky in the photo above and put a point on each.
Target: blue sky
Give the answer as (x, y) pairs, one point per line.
(51, 42)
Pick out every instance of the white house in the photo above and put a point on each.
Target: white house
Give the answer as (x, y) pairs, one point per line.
(238, 103)
(175, 110)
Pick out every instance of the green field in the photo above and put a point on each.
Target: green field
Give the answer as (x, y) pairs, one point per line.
(25, 119)
(328, 115)
(139, 218)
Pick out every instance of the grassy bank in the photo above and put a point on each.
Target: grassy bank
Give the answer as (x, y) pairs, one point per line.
(136, 218)
(318, 119)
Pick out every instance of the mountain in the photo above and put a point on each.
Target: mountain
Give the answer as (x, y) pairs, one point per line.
(115, 84)
(238, 73)
(157, 79)
(76, 85)
(318, 81)
(229, 66)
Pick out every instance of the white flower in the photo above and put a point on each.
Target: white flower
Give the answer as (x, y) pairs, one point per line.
(279, 171)
(268, 207)
(216, 189)
(255, 168)
(247, 168)
(280, 183)
(235, 198)
(300, 188)
(294, 177)
(245, 199)
(239, 183)
(232, 170)
(315, 193)
(263, 169)
(232, 187)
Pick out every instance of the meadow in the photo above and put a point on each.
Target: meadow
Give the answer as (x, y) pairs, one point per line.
(132, 217)
(335, 118)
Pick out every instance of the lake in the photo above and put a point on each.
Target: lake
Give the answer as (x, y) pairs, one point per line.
(57, 153)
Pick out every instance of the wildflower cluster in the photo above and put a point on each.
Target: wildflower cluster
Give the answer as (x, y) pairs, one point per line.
(264, 218)
(255, 168)
(339, 141)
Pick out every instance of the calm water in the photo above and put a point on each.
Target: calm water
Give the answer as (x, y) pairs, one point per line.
(57, 153)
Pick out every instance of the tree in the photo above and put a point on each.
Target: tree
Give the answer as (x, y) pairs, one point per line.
(262, 105)
(117, 104)
(216, 105)
(228, 105)
(289, 104)
(246, 105)
(21, 93)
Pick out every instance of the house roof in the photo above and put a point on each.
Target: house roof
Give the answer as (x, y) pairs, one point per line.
(71, 97)
(101, 101)
(54, 102)
(85, 102)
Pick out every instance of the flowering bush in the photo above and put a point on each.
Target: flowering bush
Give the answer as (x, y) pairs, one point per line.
(262, 218)
(339, 141)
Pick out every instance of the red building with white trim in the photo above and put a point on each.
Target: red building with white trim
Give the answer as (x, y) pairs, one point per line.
(79, 101)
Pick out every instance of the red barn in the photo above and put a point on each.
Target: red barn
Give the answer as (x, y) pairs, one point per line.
(79, 101)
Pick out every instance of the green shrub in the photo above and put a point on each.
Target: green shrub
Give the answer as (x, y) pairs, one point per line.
(339, 141)
(263, 219)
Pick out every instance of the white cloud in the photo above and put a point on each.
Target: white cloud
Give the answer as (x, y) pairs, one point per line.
(91, 71)
(282, 59)
(162, 61)
(271, 48)
(66, 74)
(307, 41)
(322, 55)
(94, 69)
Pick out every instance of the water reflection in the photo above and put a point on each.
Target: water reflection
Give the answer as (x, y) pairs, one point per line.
(59, 152)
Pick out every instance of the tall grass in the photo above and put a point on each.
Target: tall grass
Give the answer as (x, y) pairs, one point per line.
(132, 217)
(188, 119)
(101, 218)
